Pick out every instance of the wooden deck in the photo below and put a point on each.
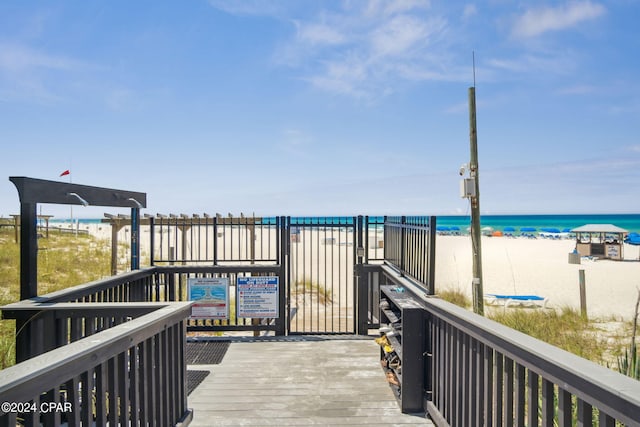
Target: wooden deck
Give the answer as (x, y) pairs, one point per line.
(298, 381)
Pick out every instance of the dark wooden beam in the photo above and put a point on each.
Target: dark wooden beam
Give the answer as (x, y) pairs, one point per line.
(32, 190)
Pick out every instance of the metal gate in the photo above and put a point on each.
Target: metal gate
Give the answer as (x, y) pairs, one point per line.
(321, 282)
(316, 259)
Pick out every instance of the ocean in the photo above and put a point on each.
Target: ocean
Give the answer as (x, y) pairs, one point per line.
(630, 222)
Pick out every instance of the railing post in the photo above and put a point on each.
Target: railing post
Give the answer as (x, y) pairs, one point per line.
(431, 260)
(28, 278)
(135, 238)
(28, 251)
(361, 282)
(283, 309)
(363, 306)
(403, 267)
(152, 240)
(215, 240)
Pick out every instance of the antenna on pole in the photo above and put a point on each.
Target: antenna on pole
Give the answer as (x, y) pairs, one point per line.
(473, 59)
(470, 188)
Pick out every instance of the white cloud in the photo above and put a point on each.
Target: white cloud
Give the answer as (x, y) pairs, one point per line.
(319, 34)
(376, 8)
(634, 148)
(25, 73)
(546, 62)
(365, 50)
(250, 7)
(399, 36)
(469, 11)
(17, 58)
(541, 20)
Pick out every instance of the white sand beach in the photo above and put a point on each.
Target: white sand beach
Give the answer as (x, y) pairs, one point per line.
(514, 266)
(520, 266)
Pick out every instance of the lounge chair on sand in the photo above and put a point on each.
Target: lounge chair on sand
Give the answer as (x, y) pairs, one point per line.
(507, 300)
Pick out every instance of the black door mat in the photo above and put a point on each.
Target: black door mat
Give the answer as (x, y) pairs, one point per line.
(194, 378)
(206, 352)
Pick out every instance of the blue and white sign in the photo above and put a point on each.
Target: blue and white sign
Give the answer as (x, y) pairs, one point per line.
(258, 296)
(211, 296)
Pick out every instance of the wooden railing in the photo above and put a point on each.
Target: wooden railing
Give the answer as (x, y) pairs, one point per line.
(479, 372)
(46, 322)
(133, 373)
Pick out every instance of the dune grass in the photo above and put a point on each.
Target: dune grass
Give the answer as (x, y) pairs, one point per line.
(64, 260)
(564, 328)
(456, 297)
(309, 288)
(629, 361)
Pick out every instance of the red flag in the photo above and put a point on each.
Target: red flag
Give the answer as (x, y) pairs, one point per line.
(65, 173)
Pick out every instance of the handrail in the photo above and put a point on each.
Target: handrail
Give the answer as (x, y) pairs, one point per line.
(125, 349)
(463, 345)
(41, 328)
(616, 394)
(69, 310)
(75, 292)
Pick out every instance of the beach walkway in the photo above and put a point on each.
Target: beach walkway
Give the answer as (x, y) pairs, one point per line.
(298, 380)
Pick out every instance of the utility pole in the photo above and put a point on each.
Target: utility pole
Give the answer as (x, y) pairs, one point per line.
(474, 198)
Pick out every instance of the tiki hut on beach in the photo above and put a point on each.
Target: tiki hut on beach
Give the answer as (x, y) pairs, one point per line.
(600, 241)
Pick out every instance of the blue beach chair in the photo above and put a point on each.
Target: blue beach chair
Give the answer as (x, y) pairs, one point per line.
(507, 300)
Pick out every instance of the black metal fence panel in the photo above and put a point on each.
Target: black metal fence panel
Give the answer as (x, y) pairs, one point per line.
(409, 246)
(217, 240)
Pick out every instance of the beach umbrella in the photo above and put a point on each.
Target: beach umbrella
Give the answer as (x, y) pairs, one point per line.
(550, 230)
(442, 228)
(509, 229)
(528, 229)
(455, 228)
(487, 231)
(633, 239)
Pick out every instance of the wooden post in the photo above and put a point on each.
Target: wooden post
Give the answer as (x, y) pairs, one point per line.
(477, 289)
(583, 293)
(16, 227)
(115, 228)
(135, 238)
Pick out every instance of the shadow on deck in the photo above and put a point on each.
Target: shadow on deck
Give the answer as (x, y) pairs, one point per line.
(298, 380)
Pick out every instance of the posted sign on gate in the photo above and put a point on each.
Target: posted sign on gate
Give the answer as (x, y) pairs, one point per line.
(258, 297)
(211, 296)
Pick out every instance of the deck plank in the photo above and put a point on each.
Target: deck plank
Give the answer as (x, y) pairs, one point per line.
(298, 382)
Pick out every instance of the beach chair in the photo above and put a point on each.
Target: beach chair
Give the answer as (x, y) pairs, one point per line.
(522, 300)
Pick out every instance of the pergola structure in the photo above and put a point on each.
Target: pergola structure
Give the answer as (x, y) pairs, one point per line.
(33, 191)
(600, 240)
(182, 222)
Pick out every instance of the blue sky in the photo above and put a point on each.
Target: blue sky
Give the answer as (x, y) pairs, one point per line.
(324, 107)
